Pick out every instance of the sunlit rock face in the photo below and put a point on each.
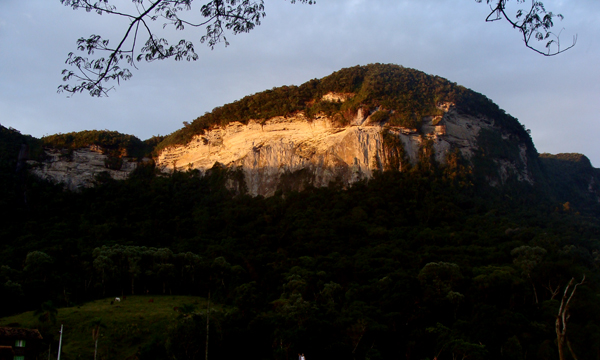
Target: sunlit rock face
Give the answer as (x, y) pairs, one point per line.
(294, 152)
(79, 168)
(315, 152)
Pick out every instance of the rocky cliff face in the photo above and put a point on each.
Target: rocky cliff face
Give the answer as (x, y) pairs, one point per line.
(293, 152)
(79, 168)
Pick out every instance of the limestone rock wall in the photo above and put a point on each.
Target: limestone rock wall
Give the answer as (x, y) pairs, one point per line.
(77, 169)
(282, 147)
(294, 152)
(290, 153)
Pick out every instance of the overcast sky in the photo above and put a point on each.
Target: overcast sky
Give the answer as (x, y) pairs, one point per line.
(558, 98)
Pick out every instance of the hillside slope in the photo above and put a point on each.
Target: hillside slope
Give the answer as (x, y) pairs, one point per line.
(129, 327)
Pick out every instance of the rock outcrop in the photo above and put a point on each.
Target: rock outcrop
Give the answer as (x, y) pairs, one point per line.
(293, 152)
(79, 168)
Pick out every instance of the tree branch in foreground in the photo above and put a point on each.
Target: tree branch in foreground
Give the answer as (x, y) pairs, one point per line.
(102, 64)
(534, 24)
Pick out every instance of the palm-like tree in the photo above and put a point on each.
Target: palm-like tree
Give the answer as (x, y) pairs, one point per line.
(96, 324)
(46, 312)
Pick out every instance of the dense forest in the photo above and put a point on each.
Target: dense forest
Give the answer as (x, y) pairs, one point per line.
(427, 263)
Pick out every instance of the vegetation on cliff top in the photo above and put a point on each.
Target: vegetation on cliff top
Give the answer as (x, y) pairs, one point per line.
(405, 95)
(572, 177)
(110, 141)
(11, 141)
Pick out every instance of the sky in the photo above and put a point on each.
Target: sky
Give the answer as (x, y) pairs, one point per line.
(557, 98)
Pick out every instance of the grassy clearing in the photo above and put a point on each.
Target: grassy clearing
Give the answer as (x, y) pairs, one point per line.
(131, 324)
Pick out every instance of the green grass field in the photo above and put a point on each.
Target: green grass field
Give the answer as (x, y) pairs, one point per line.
(131, 324)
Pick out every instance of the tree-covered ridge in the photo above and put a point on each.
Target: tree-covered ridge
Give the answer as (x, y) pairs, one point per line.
(111, 141)
(403, 95)
(573, 160)
(11, 141)
(15, 149)
(572, 178)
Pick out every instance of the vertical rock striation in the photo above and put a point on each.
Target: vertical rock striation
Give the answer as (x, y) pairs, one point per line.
(79, 168)
(293, 152)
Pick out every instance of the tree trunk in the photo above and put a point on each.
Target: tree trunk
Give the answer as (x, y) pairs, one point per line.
(207, 325)
(534, 290)
(571, 350)
(560, 340)
(562, 317)
(96, 349)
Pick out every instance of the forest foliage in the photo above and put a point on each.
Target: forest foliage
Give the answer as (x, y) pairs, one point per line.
(417, 264)
(109, 141)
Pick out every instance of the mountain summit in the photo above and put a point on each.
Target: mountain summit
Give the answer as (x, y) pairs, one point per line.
(348, 125)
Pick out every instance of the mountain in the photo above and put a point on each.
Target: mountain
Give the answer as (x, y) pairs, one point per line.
(340, 129)
(344, 127)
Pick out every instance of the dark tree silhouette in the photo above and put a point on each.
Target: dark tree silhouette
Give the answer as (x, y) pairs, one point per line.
(46, 313)
(534, 23)
(104, 60)
(215, 16)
